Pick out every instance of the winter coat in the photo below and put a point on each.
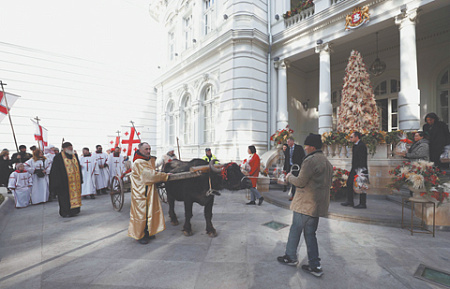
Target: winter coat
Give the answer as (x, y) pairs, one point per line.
(312, 196)
(419, 151)
(254, 164)
(439, 137)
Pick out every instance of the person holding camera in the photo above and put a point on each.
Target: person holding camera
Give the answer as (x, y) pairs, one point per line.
(37, 166)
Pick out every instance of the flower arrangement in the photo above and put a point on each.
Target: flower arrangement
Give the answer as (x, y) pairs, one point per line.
(338, 181)
(281, 136)
(372, 139)
(303, 5)
(422, 176)
(329, 138)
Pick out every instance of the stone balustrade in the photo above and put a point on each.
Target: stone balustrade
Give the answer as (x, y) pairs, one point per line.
(297, 18)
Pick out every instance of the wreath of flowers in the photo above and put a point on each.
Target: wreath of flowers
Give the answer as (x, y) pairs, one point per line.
(338, 181)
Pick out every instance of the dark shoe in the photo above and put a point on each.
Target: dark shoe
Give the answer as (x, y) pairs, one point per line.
(360, 206)
(251, 203)
(261, 200)
(92, 197)
(66, 216)
(144, 241)
(291, 198)
(152, 237)
(85, 197)
(9, 192)
(347, 204)
(315, 271)
(287, 261)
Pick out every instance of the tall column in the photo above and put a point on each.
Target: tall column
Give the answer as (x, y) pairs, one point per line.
(409, 95)
(282, 112)
(325, 106)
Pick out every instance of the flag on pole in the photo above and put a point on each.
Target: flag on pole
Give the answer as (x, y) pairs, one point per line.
(40, 135)
(130, 139)
(11, 99)
(113, 141)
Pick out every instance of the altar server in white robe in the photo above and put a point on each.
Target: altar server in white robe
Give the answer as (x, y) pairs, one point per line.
(51, 151)
(116, 164)
(20, 183)
(38, 168)
(102, 174)
(88, 168)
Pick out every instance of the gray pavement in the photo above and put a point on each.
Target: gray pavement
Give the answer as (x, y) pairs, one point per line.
(39, 249)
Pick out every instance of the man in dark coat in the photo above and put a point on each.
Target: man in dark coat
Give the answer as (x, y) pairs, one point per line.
(294, 154)
(22, 156)
(438, 135)
(359, 161)
(66, 179)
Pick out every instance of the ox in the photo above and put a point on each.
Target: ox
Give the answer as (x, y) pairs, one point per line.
(201, 189)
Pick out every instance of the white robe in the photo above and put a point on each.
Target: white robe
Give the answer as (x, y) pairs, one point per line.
(49, 158)
(116, 166)
(39, 192)
(20, 183)
(88, 168)
(102, 174)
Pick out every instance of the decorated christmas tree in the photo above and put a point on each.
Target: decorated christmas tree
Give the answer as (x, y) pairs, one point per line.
(358, 110)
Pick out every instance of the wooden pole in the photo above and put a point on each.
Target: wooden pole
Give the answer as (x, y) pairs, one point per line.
(9, 115)
(132, 123)
(178, 145)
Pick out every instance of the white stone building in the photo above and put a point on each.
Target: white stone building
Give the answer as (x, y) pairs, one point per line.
(236, 71)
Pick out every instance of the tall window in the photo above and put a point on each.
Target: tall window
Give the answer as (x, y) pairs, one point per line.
(187, 27)
(186, 120)
(208, 15)
(171, 37)
(336, 102)
(442, 93)
(170, 124)
(386, 94)
(209, 112)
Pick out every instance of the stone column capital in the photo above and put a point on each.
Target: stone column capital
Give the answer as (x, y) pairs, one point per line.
(407, 17)
(324, 48)
(282, 64)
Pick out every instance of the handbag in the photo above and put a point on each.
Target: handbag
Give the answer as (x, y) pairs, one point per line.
(40, 172)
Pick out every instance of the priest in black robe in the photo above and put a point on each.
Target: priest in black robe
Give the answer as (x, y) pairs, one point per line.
(66, 179)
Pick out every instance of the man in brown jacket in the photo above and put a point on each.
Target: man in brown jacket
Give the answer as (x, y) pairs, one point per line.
(310, 202)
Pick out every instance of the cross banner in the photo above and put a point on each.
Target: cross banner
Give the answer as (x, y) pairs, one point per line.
(130, 139)
(11, 99)
(40, 135)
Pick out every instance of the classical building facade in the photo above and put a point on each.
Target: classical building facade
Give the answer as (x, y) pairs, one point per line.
(236, 71)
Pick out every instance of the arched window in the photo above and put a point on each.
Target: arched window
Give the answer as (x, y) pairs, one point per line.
(386, 95)
(209, 111)
(186, 119)
(443, 88)
(170, 124)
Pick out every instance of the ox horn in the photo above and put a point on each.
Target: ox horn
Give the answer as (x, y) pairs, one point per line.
(213, 168)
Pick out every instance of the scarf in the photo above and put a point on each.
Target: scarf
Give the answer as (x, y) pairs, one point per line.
(139, 156)
(74, 180)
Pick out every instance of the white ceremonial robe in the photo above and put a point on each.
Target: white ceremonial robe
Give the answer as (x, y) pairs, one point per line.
(116, 166)
(20, 183)
(49, 158)
(102, 174)
(40, 191)
(88, 168)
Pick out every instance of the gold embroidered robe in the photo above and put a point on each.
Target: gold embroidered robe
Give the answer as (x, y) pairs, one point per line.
(145, 204)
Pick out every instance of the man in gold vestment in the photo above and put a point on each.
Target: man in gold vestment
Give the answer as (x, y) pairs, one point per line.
(146, 215)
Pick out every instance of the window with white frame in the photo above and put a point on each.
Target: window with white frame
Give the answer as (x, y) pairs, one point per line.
(170, 123)
(443, 89)
(208, 16)
(209, 111)
(186, 119)
(171, 43)
(187, 27)
(336, 102)
(386, 96)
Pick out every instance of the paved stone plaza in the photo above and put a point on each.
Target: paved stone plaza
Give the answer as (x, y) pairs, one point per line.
(39, 249)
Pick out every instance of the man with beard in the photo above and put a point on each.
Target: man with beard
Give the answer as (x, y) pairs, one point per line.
(115, 164)
(66, 179)
(102, 174)
(146, 215)
(88, 167)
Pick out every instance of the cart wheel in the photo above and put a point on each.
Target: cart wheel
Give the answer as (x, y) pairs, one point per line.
(116, 193)
(162, 194)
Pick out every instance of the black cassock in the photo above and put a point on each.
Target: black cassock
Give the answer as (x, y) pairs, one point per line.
(59, 184)
(5, 171)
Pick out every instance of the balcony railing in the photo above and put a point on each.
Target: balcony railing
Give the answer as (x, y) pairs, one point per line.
(302, 15)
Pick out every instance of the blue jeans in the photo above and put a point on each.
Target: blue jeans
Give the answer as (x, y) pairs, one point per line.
(309, 225)
(254, 194)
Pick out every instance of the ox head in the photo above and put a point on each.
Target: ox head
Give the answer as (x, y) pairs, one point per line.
(232, 177)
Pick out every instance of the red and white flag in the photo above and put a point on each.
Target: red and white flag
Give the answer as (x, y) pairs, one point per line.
(40, 135)
(130, 139)
(11, 99)
(113, 141)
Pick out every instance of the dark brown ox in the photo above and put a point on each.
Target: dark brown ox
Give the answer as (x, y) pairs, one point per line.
(201, 190)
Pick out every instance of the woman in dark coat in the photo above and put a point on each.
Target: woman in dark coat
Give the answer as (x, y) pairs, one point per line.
(438, 135)
(5, 168)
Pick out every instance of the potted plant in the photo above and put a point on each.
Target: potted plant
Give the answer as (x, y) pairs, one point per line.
(338, 182)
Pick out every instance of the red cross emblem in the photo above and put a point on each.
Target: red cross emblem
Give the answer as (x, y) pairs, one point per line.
(3, 108)
(40, 138)
(131, 141)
